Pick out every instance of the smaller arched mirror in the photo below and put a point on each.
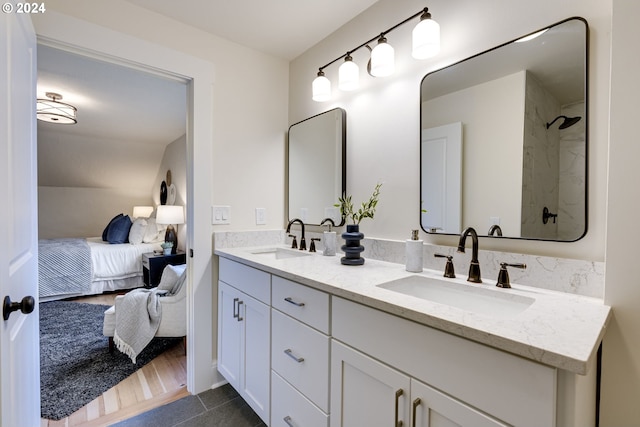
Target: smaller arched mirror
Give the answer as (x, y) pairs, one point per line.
(316, 167)
(504, 139)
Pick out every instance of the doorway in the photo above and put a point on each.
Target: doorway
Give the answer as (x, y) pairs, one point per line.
(131, 131)
(67, 33)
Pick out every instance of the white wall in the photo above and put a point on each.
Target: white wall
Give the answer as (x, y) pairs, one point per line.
(79, 190)
(175, 160)
(383, 115)
(621, 355)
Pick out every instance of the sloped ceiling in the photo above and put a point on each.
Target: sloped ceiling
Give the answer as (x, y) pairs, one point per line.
(126, 118)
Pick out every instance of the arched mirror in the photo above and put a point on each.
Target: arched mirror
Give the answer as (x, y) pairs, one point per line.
(316, 166)
(504, 139)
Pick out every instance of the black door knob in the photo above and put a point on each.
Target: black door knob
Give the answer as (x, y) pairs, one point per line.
(26, 306)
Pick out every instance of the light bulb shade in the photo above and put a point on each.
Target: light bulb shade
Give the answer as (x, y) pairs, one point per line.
(321, 88)
(53, 111)
(142, 211)
(348, 75)
(426, 39)
(382, 59)
(170, 214)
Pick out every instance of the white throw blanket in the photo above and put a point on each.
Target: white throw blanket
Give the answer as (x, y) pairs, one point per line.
(138, 317)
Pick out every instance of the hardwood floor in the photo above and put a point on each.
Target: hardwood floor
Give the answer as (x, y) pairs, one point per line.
(161, 381)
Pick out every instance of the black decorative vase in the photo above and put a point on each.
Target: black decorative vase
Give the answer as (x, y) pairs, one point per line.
(352, 247)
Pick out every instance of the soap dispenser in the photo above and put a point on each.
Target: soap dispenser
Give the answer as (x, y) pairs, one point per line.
(329, 239)
(414, 253)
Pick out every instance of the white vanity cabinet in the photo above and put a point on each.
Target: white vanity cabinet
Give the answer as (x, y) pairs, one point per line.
(458, 382)
(244, 327)
(367, 392)
(299, 355)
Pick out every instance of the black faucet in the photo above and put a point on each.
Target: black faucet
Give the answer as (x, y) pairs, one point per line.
(474, 268)
(303, 242)
(495, 228)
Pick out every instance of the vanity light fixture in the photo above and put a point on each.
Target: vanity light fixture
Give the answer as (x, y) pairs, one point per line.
(426, 43)
(382, 58)
(348, 74)
(53, 111)
(321, 88)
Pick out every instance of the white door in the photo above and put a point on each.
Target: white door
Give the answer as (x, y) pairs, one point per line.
(256, 350)
(441, 180)
(19, 352)
(229, 334)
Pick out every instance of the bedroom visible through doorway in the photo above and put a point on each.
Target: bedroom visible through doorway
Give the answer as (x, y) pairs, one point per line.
(131, 132)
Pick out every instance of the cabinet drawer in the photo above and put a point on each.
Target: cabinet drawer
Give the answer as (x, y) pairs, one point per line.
(249, 280)
(302, 302)
(287, 403)
(300, 355)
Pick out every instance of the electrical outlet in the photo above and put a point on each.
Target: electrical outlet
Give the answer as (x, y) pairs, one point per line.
(220, 215)
(261, 216)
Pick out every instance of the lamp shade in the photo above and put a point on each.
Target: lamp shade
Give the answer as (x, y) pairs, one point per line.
(321, 88)
(348, 74)
(53, 111)
(382, 59)
(426, 38)
(142, 211)
(170, 214)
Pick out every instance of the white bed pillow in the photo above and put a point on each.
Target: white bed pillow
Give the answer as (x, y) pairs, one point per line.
(151, 232)
(170, 276)
(137, 231)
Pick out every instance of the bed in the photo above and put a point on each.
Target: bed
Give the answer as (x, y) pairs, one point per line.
(69, 267)
(75, 267)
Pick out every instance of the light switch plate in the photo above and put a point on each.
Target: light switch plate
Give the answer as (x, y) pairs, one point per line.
(261, 216)
(220, 215)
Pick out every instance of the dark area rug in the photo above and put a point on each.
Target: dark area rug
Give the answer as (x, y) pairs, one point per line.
(75, 364)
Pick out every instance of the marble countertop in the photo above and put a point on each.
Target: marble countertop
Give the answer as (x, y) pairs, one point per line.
(558, 329)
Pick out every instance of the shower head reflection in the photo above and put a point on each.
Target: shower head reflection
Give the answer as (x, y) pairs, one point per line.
(567, 122)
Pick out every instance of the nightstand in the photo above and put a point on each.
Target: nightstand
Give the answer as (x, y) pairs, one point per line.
(153, 264)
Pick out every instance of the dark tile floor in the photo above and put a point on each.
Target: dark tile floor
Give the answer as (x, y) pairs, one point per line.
(221, 407)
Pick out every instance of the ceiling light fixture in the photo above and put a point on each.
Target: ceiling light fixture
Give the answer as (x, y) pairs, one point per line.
(53, 111)
(426, 43)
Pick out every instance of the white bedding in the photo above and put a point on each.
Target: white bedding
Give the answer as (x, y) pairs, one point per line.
(115, 267)
(117, 261)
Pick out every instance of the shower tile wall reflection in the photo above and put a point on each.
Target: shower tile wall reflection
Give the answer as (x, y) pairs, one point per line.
(553, 166)
(572, 152)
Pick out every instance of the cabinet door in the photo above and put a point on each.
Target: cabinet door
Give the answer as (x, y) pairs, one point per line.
(365, 392)
(431, 408)
(256, 350)
(229, 334)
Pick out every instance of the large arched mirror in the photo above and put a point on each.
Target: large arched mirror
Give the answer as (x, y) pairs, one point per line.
(504, 139)
(316, 166)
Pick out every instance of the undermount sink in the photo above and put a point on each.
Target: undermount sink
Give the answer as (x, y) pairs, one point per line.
(280, 253)
(494, 303)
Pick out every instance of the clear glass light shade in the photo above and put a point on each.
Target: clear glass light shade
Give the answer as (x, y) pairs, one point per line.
(426, 39)
(321, 89)
(348, 75)
(382, 60)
